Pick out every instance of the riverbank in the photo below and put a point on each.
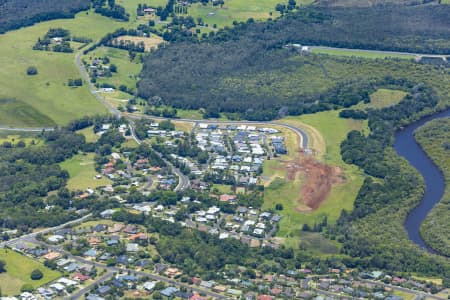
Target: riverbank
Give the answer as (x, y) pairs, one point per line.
(434, 138)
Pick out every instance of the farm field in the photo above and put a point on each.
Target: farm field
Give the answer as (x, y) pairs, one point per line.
(44, 98)
(326, 131)
(82, 172)
(149, 42)
(18, 270)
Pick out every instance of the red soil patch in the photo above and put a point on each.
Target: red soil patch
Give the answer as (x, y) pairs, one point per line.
(319, 178)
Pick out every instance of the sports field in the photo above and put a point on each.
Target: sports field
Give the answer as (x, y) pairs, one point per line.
(18, 270)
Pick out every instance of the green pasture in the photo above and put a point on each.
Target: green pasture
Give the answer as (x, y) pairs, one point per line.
(81, 169)
(45, 99)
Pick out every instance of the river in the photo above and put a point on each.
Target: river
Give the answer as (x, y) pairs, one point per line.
(407, 147)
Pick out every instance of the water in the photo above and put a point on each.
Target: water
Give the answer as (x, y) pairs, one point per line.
(406, 146)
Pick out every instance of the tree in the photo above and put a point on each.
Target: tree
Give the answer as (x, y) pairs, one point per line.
(2, 266)
(113, 68)
(32, 70)
(36, 274)
(279, 206)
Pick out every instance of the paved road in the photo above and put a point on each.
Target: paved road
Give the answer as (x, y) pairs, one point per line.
(183, 180)
(112, 270)
(99, 281)
(27, 129)
(44, 231)
(412, 54)
(92, 88)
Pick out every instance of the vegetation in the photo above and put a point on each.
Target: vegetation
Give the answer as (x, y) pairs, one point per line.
(254, 54)
(19, 13)
(374, 231)
(434, 138)
(36, 274)
(18, 270)
(45, 98)
(32, 70)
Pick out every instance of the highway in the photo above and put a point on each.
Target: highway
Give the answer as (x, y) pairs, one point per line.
(387, 53)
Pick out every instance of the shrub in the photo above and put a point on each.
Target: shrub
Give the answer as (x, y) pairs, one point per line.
(32, 70)
(36, 274)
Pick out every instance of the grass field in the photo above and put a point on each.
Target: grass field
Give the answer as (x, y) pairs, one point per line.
(326, 131)
(15, 138)
(237, 10)
(127, 71)
(82, 172)
(363, 54)
(89, 134)
(18, 270)
(45, 99)
(404, 295)
(385, 97)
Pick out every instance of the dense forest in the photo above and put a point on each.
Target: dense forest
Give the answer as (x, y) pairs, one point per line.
(249, 70)
(434, 138)
(19, 13)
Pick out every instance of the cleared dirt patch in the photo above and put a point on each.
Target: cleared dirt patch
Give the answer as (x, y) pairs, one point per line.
(319, 179)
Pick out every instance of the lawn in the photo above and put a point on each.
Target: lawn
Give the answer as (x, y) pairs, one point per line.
(364, 54)
(44, 99)
(82, 172)
(18, 270)
(27, 138)
(326, 131)
(222, 188)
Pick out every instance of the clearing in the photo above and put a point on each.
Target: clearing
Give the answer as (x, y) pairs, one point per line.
(18, 270)
(82, 172)
(326, 131)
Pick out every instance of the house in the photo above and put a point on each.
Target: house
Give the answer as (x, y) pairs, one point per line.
(227, 198)
(130, 229)
(94, 297)
(115, 228)
(80, 277)
(169, 291)
(90, 253)
(107, 214)
(149, 285)
(103, 290)
(55, 238)
(264, 297)
(99, 228)
(52, 255)
(138, 236)
(132, 247)
(71, 268)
